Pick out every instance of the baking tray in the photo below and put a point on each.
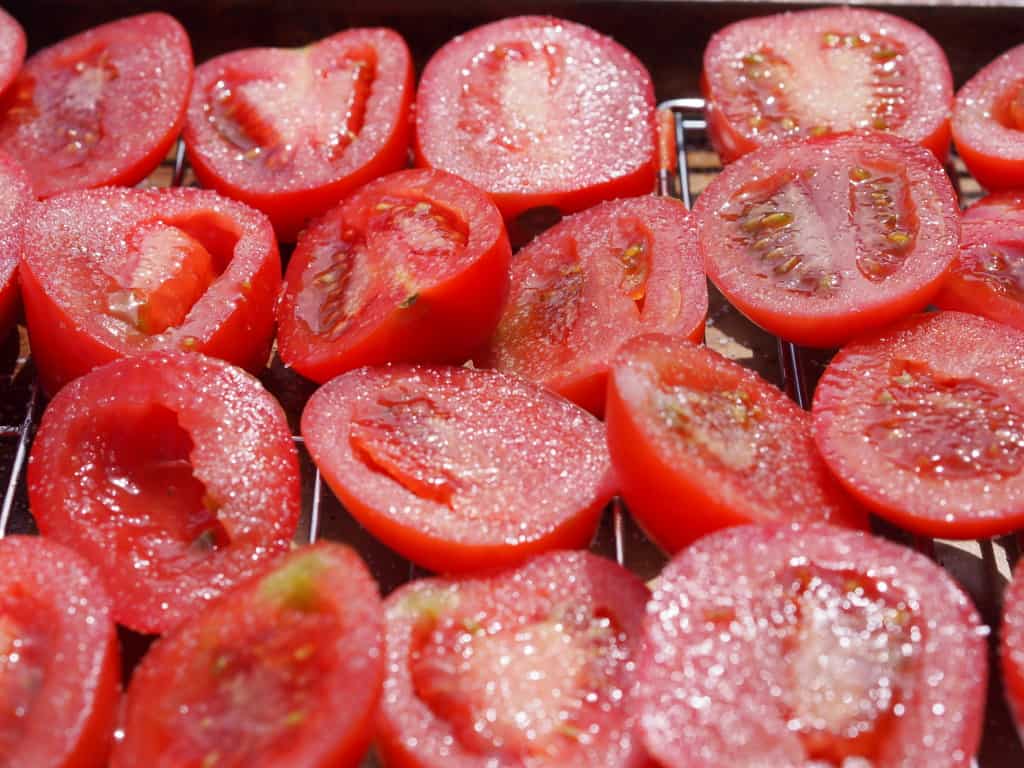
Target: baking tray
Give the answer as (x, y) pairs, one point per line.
(671, 49)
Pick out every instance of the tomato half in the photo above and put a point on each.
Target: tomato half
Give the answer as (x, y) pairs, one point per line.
(1012, 646)
(411, 268)
(459, 469)
(533, 666)
(824, 71)
(924, 423)
(538, 111)
(12, 49)
(821, 240)
(291, 132)
(988, 276)
(174, 473)
(59, 665)
(593, 281)
(102, 107)
(112, 272)
(15, 198)
(282, 672)
(788, 645)
(699, 442)
(988, 122)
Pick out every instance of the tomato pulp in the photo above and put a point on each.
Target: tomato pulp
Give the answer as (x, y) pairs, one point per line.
(15, 198)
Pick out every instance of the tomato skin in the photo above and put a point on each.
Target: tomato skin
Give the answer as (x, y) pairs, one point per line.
(70, 723)
(67, 281)
(621, 165)
(675, 485)
(444, 318)
(939, 385)
(859, 304)
(715, 613)
(1011, 648)
(174, 473)
(15, 198)
(929, 90)
(412, 734)
(444, 447)
(590, 249)
(148, 61)
(986, 135)
(293, 199)
(12, 49)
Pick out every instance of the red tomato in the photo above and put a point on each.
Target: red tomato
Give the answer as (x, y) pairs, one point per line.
(526, 667)
(15, 198)
(12, 49)
(819, 241)
(538, 111)
(174, 473)
(988, 122)
(102, 107)
(699, 443)
(59, 666)
(593, 281)
(459, 469)
(823, 71)
(924, 423)
(411, 268)
(282, 672)
(1012, 646)
(291, 132)
(988, 276)
(794, 646)
(113, 272)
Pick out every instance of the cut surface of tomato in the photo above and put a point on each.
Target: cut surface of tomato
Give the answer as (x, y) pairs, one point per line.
(819, 241)
(102, 107)
(108, 273)
(1012, 647)
(828, 70)
(174, 473)
(533, 666)
(282, 672)
(588, 284)
(788, 645)
(59, 665)
(12, 49)
(924, 423)
(291, 132)
(413, 267)
(699, 443)
(538, 112)
(988, 122)
(15, 198)
(459, 469)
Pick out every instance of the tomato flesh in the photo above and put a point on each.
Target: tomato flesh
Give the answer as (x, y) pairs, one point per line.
(459, 469)
(15, 196)
(797, 645)
(590, 283)
(532, 666)
(283, 671)
(1012, 647)
(807, 74)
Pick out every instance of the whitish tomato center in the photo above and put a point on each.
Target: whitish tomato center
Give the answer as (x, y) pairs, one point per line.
(999, 267)
(24, 652)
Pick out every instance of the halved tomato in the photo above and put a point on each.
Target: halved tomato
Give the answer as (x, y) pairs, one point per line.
(699, 443)
(12, 49)
(988, 276)
(821, 240)
(112, 272)
(988, 122)
(59, 665)
(537, 112)
(174, 473)
(282, 672)
(15, 198)
(411, 268)
(102, 107)
(593, 281)
(459, 469)
(527, 667)
(787, 645)
(291, 132)
(1012, 646)
(825, 71)
(924, 423)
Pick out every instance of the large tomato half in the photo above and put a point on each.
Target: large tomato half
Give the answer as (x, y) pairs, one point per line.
(12, 49)
(1012, 646)
(15, 198)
